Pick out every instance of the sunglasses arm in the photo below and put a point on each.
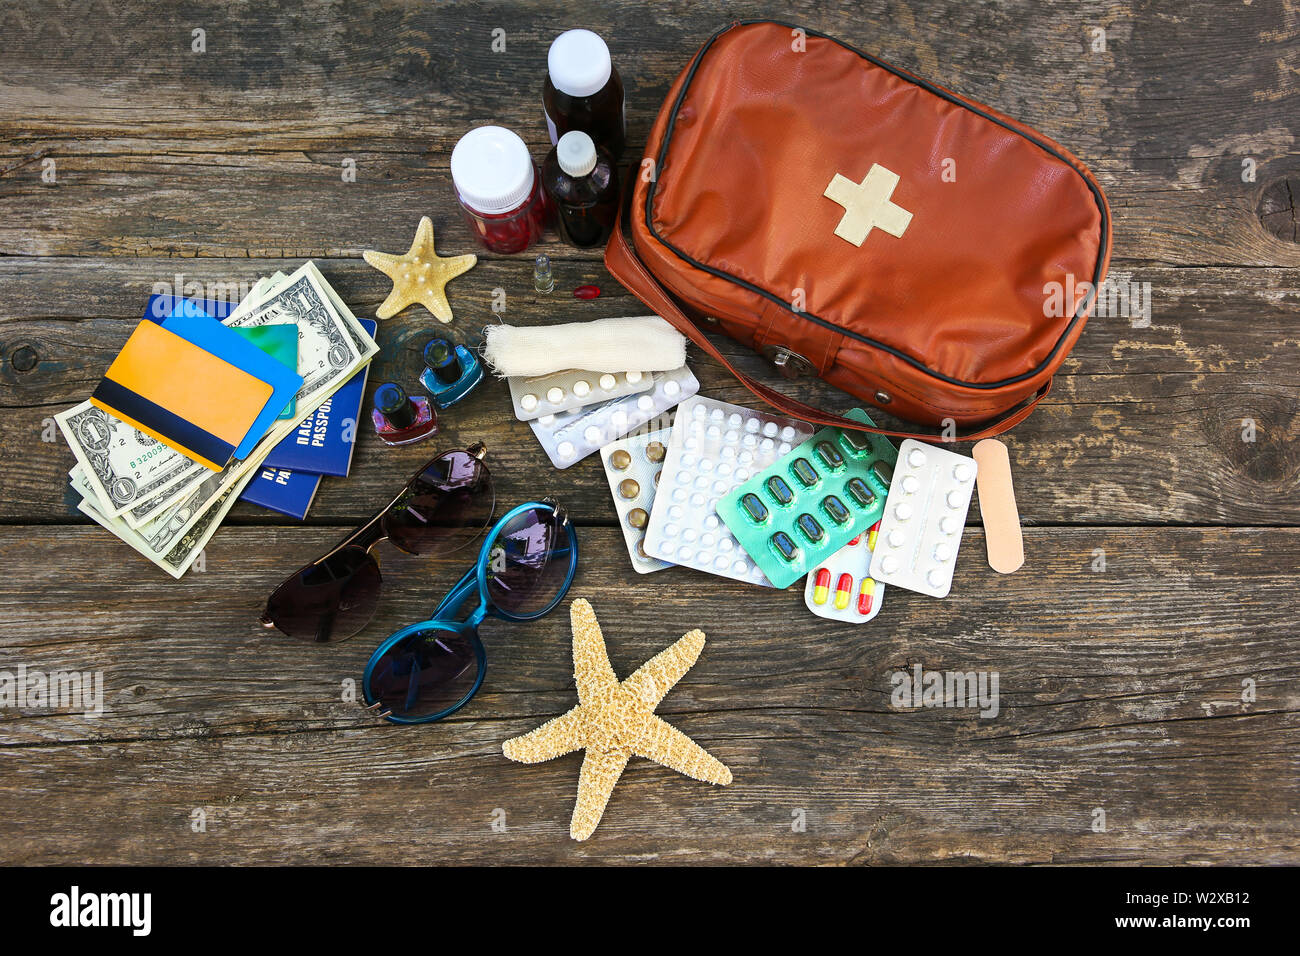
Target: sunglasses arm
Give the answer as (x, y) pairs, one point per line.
(451, 606)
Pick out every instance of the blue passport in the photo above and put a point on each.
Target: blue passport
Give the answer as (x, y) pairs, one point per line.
(287, 492)
(323, 443)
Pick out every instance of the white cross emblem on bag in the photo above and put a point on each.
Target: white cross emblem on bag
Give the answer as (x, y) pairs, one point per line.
(867, 206)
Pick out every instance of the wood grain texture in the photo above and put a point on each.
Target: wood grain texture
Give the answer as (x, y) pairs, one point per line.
(1121, 689)
(1124, 694)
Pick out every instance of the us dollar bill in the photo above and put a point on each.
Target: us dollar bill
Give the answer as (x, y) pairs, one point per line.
(178, 517)
(365, 344)
(189, 507)
(118, 488)
(331, 343)
(135, 516)
(151, 508)
(329, 352)
(123, 466)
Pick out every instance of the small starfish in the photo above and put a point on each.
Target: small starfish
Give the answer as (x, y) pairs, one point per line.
(613, 721)
(419, 276)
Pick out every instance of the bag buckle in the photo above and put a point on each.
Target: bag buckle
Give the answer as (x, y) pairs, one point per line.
(789, 363)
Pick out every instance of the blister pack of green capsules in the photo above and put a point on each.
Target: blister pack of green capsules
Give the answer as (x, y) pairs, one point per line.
(812, 502)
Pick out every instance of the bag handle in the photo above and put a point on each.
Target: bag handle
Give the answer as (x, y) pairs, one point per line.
(624, 265)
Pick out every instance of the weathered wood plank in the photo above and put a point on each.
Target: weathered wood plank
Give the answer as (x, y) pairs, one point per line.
(1135, 409)
(238, 151)
(371, 798)
(296, 206)
(1119, 689)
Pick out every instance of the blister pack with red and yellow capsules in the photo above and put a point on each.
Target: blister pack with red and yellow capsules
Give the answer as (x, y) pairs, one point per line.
(840, 588)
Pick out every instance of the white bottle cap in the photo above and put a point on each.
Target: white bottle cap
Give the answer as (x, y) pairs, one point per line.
(578, 63)
(492, 169)
(576, 153)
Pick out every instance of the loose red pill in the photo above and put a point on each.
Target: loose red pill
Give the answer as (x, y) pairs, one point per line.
(587, 292)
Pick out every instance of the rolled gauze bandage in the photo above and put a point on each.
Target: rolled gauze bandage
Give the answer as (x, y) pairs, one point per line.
(643, 344)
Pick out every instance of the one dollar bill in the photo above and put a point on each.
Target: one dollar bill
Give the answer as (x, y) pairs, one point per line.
(123, 466)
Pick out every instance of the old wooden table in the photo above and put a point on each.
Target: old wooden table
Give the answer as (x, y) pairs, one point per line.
(1147, 651)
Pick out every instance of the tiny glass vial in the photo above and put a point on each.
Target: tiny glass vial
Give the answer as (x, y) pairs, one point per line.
(402, 419)
(582, 184)
(543, 281)
(583, 91)
(500, 193)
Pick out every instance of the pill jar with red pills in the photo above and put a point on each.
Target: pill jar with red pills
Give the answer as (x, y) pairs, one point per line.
(500, 193)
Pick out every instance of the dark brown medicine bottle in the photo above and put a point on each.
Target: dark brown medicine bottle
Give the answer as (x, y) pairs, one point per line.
(583, 185)
(583, 91)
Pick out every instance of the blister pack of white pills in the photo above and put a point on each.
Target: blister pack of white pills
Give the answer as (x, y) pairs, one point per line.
(715, 446)
(925, 514)
(632, 466)
(571, 436)
(565, 391)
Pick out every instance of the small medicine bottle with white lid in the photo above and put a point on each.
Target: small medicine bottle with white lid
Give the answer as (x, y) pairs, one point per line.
(582, 183)
(583, 91)
(500, 193)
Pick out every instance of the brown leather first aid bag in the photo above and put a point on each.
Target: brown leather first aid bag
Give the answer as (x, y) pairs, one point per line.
(846, 218)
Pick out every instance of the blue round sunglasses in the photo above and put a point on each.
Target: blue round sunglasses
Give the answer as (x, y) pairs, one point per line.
(430, 670)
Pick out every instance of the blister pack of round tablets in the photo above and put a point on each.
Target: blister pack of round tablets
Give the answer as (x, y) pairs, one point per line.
(841, 587)
(925, 514)
(569, 437)
(565, 391)
(715, 446)
(632, 466)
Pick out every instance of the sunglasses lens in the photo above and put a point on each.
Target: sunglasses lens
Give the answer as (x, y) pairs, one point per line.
(425, 674)
(330, 600)
(528, 563)
(448, 505)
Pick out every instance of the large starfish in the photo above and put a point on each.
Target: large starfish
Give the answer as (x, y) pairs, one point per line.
(419, 276)
(613, 721)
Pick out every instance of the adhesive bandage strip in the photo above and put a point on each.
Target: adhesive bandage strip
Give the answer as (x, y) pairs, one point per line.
(1002, 537)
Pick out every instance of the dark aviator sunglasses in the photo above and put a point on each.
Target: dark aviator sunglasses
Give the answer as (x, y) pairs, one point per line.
(445, 505)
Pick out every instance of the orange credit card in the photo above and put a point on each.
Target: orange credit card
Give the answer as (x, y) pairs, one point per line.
(182, 395)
